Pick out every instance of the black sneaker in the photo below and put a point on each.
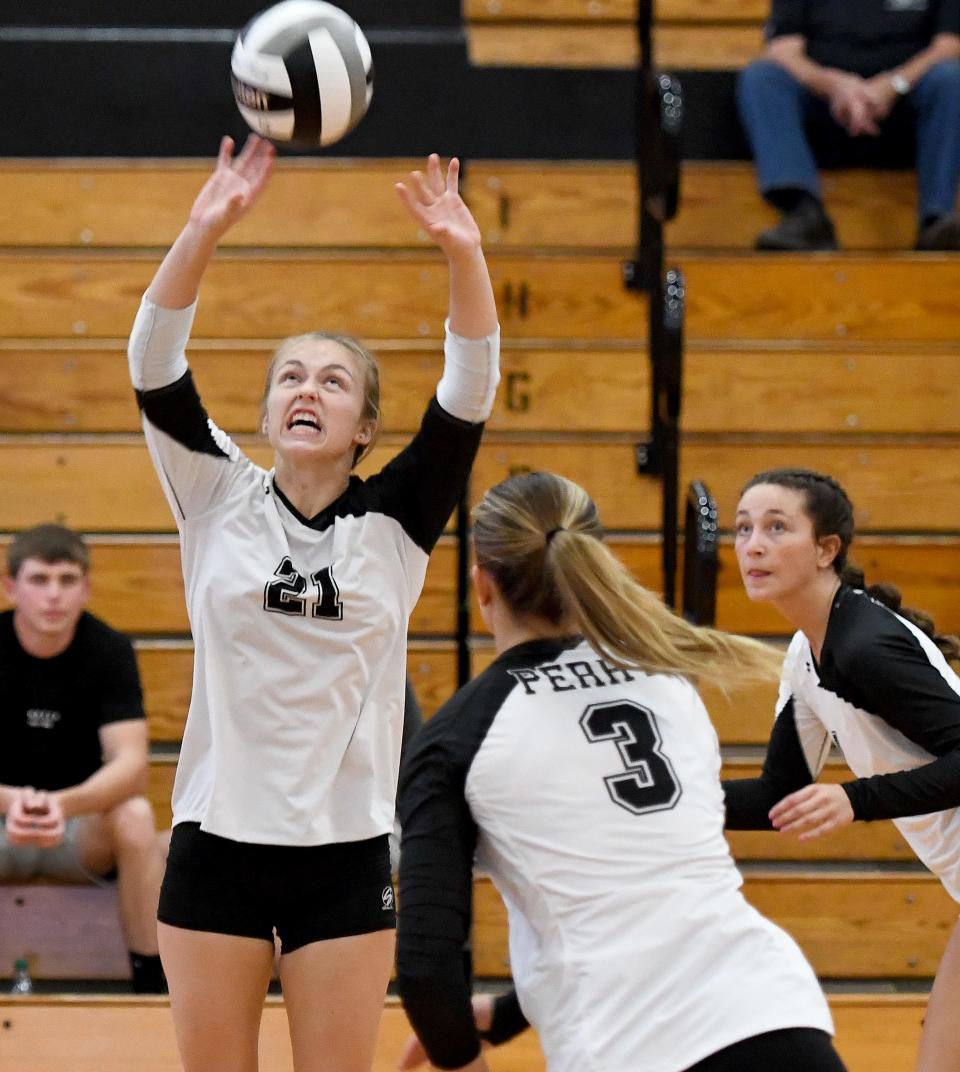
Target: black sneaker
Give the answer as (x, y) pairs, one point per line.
(804, 229)
(943, 233)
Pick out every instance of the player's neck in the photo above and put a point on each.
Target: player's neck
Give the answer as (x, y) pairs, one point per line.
(311, 489)
(38, 644)
(509, 630)
(809, 609)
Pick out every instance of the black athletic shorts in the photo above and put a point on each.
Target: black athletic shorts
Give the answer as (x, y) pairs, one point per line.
(794, 1049)
(306, 894)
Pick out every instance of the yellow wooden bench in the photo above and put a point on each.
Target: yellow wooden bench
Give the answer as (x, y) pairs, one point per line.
(82, 387)
(822, 299)
(875, 1033)
(896, 485)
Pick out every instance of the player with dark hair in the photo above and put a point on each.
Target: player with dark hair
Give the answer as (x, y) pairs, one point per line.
(73, 745)
(583, 772)
(300, 582)
(863, 673)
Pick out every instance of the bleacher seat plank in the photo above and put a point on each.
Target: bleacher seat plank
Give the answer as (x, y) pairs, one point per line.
(875, 1033)
(522, 205)
(96, 295)
(76, 390)
(166, 670)
(676, 46)
(53, 1034)
(850, 924)
(894, 298)
(138, 587)
(348, 203)
(613, 10)
(896, 485)
(70, 389)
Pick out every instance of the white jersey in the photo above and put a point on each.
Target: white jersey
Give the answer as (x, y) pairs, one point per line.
(592, 796)
(885, 695)
(299, 624)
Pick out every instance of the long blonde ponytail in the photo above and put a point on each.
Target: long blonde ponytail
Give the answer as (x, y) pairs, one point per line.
(539, 536)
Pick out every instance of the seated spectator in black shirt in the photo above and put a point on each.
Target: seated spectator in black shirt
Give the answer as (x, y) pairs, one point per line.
(854, 68)
(73, 742)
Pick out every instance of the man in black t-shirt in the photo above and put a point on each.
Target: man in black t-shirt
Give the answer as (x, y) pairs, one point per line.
(845, 69)
(73, 742)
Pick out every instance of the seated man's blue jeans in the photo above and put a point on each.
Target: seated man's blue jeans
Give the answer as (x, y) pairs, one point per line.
(777, 113)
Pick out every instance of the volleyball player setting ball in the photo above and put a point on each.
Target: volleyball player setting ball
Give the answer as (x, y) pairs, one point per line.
(300, 581)
(582, 771)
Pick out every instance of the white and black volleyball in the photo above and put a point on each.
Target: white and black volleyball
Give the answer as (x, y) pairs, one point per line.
(302, 73)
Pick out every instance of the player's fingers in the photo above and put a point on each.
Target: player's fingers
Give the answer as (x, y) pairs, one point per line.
(453, 176)
(226, 151)
(421, 188)
(249, 150)
(435, 175)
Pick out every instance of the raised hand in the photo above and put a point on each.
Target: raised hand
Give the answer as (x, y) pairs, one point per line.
(435, 203)
(233, 188)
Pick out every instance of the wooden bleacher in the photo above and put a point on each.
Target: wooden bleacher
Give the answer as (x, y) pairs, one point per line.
(706, 34)
(876, 1033)
(574, 398)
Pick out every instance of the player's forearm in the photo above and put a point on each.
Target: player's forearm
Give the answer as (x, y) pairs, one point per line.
(473, 309)
(116, 781)
(177, 280)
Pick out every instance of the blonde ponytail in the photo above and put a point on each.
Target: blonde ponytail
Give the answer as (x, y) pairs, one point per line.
(539, 536)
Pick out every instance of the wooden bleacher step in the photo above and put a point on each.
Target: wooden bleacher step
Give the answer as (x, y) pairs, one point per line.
(563, 205)
(875, 1033)
(897, 484)
(800, 300)
(348, 204)
(70, 386)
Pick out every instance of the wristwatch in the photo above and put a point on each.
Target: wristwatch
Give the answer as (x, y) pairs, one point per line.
(900, 84)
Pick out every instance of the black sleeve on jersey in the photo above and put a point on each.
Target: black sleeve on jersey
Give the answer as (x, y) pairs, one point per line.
(436, 898)
(785, 770)
(507, 1021)
(892, 677)
(177, 410)
(423, 484)
(439, 838)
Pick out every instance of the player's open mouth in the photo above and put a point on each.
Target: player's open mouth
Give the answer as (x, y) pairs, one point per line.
(303, 419)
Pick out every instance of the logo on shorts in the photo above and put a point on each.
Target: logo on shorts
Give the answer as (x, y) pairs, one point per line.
(387, 898)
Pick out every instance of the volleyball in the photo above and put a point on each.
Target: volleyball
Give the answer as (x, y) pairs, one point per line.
(302, 73)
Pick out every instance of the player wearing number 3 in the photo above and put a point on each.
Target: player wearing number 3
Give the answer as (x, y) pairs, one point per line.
(299, 582)
(583, 771)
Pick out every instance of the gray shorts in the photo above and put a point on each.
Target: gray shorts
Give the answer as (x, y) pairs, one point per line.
(61, 863)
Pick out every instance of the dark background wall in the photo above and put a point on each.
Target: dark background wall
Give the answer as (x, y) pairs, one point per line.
(144, 78)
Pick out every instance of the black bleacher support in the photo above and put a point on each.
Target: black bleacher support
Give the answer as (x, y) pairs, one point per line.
(700, 556)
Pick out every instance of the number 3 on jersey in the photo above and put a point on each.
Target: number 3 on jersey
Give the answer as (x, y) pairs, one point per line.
(649, 782)
(287, 593)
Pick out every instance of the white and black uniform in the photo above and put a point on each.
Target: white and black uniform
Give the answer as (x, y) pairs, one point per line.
(885, 695)
(592, 797)
(299, 624)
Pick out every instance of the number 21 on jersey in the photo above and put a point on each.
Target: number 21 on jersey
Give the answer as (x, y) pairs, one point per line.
(287, 593)
(649, 782)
